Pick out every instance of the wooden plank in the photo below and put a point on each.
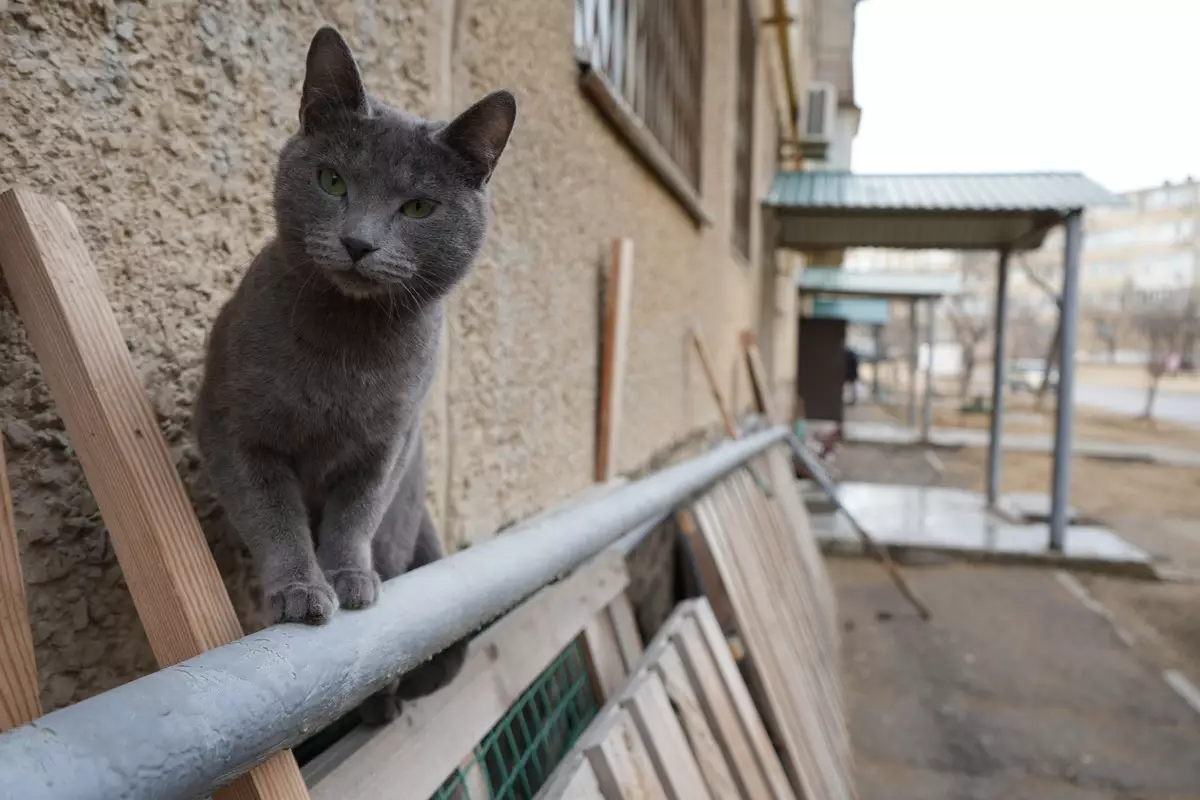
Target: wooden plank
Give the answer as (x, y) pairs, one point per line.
(714, 385)
(622, 765)
(710, 578)
(176, 588)
(648, 704)
(573, 780)
(717, 775)
(759, 620)
(791, 639)
(629, 639)
(19, 699)
(714, 388)
(759, 384)
(606, 666)
(411, 757)
(812, 675)
(811, 588)
(718, 709)
(618, 296)
(739, 695)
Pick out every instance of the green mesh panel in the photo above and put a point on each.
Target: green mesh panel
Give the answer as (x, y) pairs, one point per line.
(520, 752)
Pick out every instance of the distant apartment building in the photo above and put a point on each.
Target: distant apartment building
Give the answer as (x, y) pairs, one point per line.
(1143, 254)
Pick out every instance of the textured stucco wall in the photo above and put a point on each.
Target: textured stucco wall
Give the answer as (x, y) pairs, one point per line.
(158, 125)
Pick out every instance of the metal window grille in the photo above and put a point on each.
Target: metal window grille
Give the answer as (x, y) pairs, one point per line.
(652, 52)
(521, 751)
(743, 180)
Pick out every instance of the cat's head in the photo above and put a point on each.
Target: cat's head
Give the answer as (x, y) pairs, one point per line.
(380, 201)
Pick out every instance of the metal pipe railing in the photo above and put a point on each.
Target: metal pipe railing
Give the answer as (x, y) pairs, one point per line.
(186, 729)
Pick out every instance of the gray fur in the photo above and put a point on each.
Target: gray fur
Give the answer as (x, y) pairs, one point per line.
(317, 368)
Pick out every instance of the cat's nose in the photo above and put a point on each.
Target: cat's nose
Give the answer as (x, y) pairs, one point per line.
(357, 248)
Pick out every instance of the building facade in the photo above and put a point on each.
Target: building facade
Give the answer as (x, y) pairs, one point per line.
(1137, 257)
(158, 124)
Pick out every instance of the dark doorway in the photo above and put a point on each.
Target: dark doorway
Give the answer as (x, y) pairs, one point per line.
(821, 367)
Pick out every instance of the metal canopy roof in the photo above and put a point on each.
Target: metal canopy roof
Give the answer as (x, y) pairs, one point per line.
(907, 285)
(854, 310)
(833, 210)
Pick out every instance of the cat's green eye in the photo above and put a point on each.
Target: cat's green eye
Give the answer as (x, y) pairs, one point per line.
(418, 209)
(331, 182)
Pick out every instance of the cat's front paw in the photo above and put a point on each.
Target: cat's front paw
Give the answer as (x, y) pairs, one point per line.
(355, 588)
(310, 603)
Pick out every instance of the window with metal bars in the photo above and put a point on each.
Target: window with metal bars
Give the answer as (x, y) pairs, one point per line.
(644, 60)
(744, 166)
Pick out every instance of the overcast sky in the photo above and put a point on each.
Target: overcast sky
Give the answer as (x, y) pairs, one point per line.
(1107, 87)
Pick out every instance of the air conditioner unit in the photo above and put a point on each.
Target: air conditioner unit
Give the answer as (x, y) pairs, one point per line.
(817, 118)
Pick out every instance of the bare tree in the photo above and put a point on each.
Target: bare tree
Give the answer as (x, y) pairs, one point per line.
(1164, 321)
(1105, 327)
(1051, 359)
(970, 332)
(1028, 331)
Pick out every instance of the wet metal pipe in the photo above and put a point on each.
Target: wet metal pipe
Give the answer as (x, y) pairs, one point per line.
(194, 726)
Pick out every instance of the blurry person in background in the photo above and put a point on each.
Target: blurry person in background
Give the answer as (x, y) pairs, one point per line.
(851, 377)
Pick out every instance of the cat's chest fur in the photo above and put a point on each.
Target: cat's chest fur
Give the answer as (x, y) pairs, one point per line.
(359, 393)
(326, 382)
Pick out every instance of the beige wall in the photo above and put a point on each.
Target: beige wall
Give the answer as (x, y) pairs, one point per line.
(159, 131)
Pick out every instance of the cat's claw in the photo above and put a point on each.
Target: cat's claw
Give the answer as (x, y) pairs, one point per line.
(355, 588)
(310, 603)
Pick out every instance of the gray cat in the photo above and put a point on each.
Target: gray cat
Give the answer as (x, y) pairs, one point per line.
(309, 413)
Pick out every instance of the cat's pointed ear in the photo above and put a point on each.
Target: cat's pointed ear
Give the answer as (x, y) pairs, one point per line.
(332, 84)
(480, 133)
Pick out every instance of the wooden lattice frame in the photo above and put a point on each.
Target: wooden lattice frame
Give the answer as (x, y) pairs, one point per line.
(176, 588)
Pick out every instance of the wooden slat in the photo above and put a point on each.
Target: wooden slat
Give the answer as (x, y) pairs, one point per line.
(718, 709)
(761, 621)
(411, 757)
(618, 296)
(19, 700)
(626, 629)
(606, 665)
(689, 706)
(706, 565)
(743, 704)
(813, 658)
(622, 765)
(716, 771)
(174, 582)
(573, 780)
(783, 604)
(759, 384)
(714, 385)
(648, 704)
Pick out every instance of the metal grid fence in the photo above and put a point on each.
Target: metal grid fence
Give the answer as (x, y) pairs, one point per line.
(519, 753)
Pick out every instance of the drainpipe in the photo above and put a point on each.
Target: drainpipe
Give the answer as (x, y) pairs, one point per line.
(782, 20)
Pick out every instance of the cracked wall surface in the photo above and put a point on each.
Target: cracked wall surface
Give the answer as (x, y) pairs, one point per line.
(158, 124)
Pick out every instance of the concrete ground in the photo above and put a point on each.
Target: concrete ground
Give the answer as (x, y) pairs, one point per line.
(1014, 690)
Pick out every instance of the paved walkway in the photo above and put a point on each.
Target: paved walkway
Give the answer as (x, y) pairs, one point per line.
(1178, 407)
(1014, 690)
(892, 434)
